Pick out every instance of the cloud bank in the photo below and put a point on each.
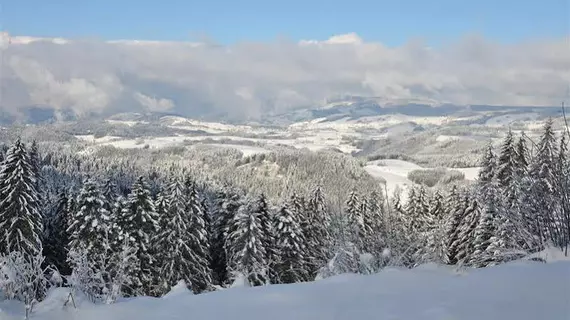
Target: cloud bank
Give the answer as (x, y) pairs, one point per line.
(248, 80)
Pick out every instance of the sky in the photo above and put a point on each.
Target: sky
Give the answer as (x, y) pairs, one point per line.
(255, 57)
(390, 22)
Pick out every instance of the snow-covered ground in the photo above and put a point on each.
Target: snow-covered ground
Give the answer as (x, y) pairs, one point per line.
(395, 172)
(519, 291)
(323, 141)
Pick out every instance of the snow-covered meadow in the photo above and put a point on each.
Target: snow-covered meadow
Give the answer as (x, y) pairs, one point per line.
(518, 290)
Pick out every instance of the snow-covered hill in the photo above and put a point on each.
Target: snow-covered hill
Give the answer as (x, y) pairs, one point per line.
(517, 291)
(395, 173)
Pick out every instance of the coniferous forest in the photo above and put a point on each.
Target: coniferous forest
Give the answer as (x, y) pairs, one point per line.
(111, 230)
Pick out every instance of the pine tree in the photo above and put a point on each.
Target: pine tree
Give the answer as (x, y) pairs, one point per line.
(457, 205)
(139, 223)
(290, 244)
(487, 226)
(267, 236)
(20, 218)
(35, 162)
(56, 237)
(201, 276)
(89, 221)
(227, 205)
(110, 195)
(543, 170)
(247, 254)
(522, 156)
(507, 162)
(90, 230)
(354, 218)
(180, 238)
(488, 171)
(160, 247)
(464, 243)
(435, 244)
(316, 231)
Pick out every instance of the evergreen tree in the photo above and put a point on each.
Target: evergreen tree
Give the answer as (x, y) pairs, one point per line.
(139, 223)
(90, 230)
(488, 171)
(199, 241)
(110, 195)
(56, 237)
(315, 227)
(543, 171)
(457, 205)
(522, 156)
(435, 246)
(161, 249)
(487, 226)
(180, 240)
(464, 243)
(353, 213)
(507, 162)
(261, 210)
(290, 243)
(35, 162)
(365, 228)
(227, 205)
(247, 254)
(20, 218)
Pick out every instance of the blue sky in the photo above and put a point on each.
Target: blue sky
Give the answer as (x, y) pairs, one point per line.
(228, 21)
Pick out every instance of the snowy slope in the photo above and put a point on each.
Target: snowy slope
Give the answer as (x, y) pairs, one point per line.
(518, 291)
(395, 172)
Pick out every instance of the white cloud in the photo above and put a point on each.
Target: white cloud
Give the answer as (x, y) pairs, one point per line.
(153, 104)
(250, 79)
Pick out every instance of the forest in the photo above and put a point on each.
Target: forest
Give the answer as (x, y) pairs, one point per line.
(108, 228)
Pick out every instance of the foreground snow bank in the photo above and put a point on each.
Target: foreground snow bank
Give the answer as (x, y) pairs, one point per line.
(519, 290)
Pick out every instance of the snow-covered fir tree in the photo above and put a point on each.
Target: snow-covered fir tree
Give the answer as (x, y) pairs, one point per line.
(226, 207)
(290, 244)
(56, 238)
(464, 243)
(507, 161)
(543, 171)
(89, 222)
(247, 254)
(375, 221)
(20, 217)
(139, 224)
(456, 205)
(179, 258)
(35, 162)
(522, 156)
(199, 241)
(354, 220)
(316, 232)
(435, 247)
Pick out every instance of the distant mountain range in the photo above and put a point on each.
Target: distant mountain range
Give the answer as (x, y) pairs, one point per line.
(348, 110)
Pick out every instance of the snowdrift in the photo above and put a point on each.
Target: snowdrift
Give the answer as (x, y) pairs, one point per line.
(519, 290)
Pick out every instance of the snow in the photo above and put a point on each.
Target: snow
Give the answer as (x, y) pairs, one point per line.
(507, 119)
(246, 150)
(395, 172)
(520, 290)
(314, 143)
(127, 123)
(471, 174)
(551, 255)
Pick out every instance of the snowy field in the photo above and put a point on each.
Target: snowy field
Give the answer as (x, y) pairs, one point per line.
(312, 143)
(395, 172)
(518, 291)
